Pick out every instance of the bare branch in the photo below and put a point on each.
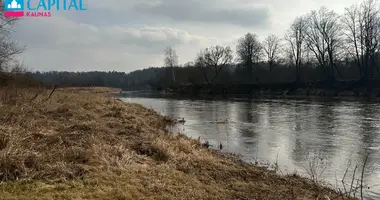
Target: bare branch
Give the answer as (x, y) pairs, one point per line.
(362, 176)
(271, 46)
(248, 49)
(295, 38)
(215, 57)
(171, 59)
(323, 38)
(362, 30)
(8, 48)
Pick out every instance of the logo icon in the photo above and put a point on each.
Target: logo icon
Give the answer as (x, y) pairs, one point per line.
(14, 8)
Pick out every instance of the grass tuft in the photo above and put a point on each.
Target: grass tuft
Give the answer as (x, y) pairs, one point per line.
(153, 150)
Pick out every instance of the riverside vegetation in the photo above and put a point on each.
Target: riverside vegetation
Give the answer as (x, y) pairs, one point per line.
(81, 143)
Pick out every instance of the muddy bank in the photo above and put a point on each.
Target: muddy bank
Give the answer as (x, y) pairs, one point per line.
(82, 144)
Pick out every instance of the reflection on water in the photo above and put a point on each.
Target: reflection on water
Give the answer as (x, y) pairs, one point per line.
(286, 131)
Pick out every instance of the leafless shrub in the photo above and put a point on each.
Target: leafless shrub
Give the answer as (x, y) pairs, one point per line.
(316, 166)
(354, 186)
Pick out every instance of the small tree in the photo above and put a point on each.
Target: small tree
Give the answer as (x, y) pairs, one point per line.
(271, 46)
(215, 57)
(171, 60)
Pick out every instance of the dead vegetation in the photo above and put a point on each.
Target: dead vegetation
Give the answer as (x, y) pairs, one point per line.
(80, 144)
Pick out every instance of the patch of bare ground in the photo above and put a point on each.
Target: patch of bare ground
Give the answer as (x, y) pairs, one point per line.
(82, 144)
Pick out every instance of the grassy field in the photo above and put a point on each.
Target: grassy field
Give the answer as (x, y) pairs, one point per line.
(83, 144)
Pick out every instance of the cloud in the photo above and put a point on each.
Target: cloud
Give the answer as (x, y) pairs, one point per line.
(207, 12)
(153, 38)
(129, 35)
(63, 44)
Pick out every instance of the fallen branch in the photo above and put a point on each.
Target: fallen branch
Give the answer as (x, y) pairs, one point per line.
(32, 99)
(51, 93)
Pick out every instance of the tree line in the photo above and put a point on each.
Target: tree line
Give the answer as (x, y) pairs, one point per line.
(320, 46)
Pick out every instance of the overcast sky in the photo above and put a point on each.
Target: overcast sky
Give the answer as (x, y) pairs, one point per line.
(125, 35)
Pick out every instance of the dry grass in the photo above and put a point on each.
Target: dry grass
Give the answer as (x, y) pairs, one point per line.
(80, 144)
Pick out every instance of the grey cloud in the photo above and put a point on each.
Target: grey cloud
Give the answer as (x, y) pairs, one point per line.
(61, 44)
(207, 11)
(157, 37)
(43, 33)
(131, 34)
(124, 41)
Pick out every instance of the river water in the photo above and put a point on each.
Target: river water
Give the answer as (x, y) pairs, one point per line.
(324, 138)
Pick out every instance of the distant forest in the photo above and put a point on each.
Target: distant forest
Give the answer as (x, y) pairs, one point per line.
(321, 46)
(161, 77)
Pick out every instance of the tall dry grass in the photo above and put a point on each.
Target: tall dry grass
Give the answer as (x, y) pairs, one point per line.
(81, 144)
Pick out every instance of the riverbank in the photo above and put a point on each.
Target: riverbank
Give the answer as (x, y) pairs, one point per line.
(80, 143)
(338, 89)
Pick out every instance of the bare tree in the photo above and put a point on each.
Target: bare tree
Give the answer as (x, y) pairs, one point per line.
(323, 37)
(8, 48)
(249, 51)
(171, 59)
(295, 39)
(353, 35)
(362, 30)
(370, 28)
(271, 46)
(217, 57)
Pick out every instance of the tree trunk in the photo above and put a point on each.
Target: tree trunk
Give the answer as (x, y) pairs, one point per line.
(270, 67)
(205, 75)
(298, 76)
(298, 72)
(173, 74)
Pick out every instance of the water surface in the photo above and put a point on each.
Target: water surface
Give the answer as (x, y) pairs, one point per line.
(328, 136)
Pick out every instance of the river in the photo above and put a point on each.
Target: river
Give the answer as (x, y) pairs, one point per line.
(326, 138)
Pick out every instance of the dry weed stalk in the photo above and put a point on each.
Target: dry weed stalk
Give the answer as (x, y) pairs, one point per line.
(354, 187)
(316, 167)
